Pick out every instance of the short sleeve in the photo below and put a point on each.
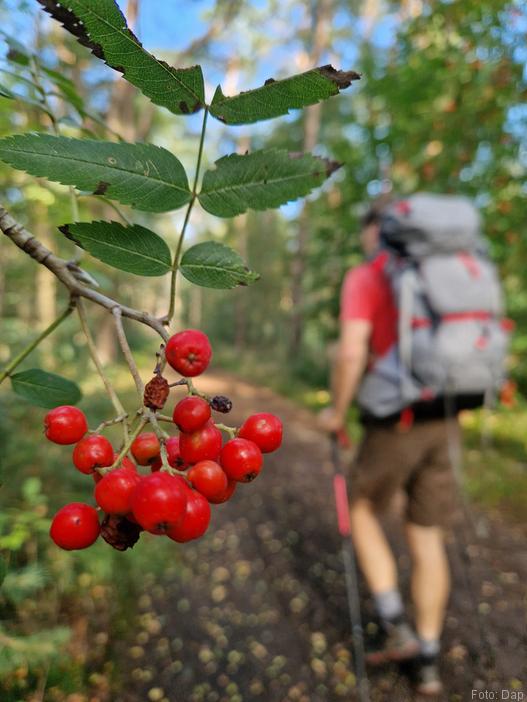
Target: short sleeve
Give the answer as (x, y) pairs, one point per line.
(359, 298)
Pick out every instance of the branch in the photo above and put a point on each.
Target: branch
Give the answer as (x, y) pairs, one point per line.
(116, 402)
(125, 347)
(70, 276)
(27, 350)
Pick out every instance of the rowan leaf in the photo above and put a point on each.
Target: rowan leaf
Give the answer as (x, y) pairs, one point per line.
(145, 176)
(261, 180)
(134, 249)
(45, 389)
(101, 26)
(277, 97)
(214, 265)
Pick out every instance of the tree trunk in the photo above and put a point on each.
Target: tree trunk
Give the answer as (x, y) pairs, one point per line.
(320, 40)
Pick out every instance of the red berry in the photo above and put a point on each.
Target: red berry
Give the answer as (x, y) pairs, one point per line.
(65, 424)
(203, 444)
(196, 520)
(125, 463)
(159, 502)
(208, 478)
(241, 460)
(75, 526)
(94, 451)
(114, 492)
(189, 352)
(264, 429)
(191, 413)
(145, 448)
(226, 494)
(173, 455)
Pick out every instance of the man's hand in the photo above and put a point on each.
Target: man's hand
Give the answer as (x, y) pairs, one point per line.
(330, 420)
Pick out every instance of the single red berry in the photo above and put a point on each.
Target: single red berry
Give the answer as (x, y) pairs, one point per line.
(226, 494)
(145, 448)
(159, 502)
(125, 463)
(75, 526)
(203, 444)
(241, 460)
(196, 520)
(173, 456)
(189, 352)
(114, 492)
(208, 478)
(65, 424)
(191, 413)
(94, 451)
(264, 429)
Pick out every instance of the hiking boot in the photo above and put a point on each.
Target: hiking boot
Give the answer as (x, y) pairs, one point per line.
(399, 643)
(428, 680)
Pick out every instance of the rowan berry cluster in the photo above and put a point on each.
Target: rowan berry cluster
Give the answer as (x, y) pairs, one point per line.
(188, 472)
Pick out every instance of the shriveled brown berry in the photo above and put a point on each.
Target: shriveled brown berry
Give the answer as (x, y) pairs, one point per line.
(156, 393)
(220, 403)
(120, 532)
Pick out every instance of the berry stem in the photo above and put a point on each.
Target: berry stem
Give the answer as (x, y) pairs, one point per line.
(108, 423)
(116, 402)
(17, 360)
(126, 446)
(125, 347)
(175, 264)
(231, 431)
(164, 418)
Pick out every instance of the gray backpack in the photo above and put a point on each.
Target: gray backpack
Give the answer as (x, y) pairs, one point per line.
(452, 336)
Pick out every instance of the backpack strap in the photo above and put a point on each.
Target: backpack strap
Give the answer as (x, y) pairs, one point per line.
(408, 287)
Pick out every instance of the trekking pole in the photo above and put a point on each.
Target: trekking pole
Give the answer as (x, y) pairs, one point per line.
(350, 569)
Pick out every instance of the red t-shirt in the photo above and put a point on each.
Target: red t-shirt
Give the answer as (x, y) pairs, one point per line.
(366, 294)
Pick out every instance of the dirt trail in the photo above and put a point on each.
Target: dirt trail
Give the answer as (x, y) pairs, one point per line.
(257, 611)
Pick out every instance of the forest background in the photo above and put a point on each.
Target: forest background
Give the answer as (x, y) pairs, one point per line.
(440, 107)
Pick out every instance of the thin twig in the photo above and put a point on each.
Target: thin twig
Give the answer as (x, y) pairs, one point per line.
(126, 447)
(27, 350)
(175, 264)
(22, 238)
(116, 402)
(125, 347)
(109, 423)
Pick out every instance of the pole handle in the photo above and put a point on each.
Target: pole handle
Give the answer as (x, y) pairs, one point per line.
(342, 504)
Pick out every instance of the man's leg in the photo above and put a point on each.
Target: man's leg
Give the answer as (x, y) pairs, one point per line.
(379, 568)
(430, 580)
(430, 590)
(373, 552)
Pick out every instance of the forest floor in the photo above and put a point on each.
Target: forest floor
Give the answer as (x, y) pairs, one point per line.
(256, 610)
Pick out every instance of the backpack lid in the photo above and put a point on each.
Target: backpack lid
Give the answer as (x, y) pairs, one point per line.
(425, 224)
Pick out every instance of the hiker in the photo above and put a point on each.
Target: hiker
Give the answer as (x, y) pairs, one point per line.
(421, 338)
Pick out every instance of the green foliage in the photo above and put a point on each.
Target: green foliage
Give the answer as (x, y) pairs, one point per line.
(45, 389)
(41, 649)
(134, 249)
(213, 265)
(261, 180)
(148, 177)
(277, 97)
(101, 26)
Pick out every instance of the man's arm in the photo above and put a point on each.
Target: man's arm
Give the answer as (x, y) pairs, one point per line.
(349, 366)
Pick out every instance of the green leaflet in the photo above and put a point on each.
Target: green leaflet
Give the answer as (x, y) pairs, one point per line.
(213, 265)
(101, 26)
(45, 389)
(261, 180)
(277, 97)
(145, 176)
(133, 249)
